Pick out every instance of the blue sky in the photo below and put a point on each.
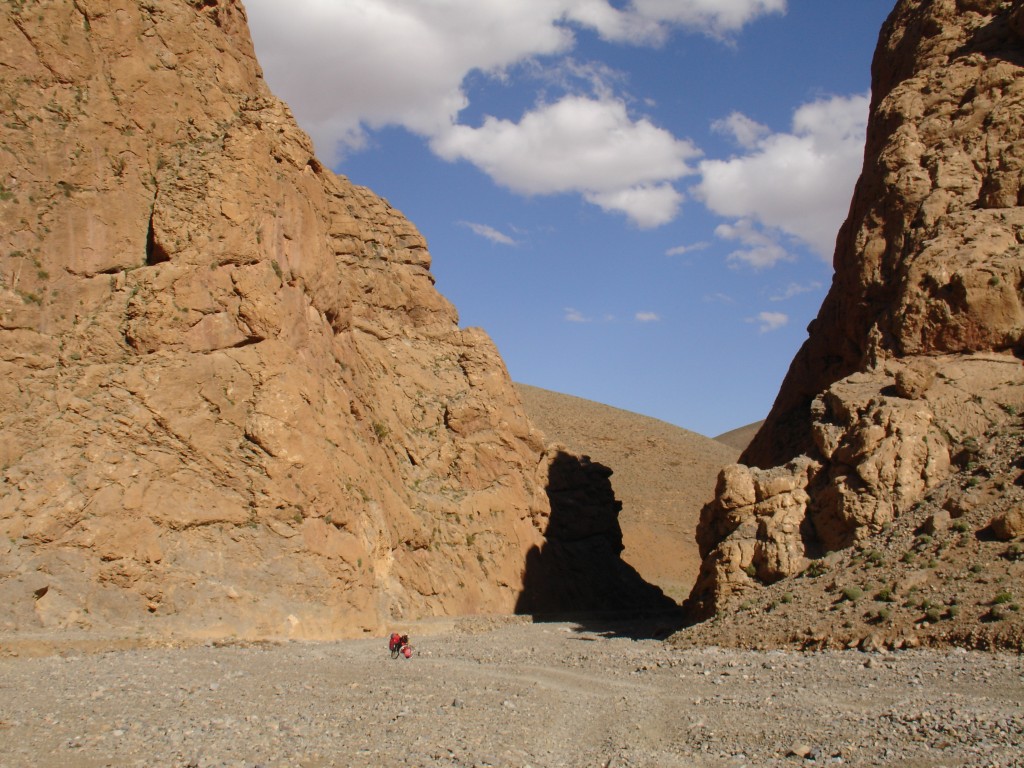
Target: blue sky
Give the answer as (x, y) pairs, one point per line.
(637, 200)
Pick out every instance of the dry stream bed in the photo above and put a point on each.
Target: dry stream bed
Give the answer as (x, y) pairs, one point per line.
(508, 694)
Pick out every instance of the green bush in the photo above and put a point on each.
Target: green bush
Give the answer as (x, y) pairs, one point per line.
(816, 568)
(852, 594)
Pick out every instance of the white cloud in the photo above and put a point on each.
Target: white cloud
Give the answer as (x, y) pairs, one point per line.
(719, 298)
(744, 131)
(489, 233)
(575, 316)
(760, 249)
(647, 317)
(346, 65)
(652, 20)
(679, 250)
(646, 206)
(795, 289)
(799, 182)
(770, 321)
(349, 66)
(579, 144)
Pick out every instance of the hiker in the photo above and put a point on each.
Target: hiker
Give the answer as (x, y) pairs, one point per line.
(399, 646)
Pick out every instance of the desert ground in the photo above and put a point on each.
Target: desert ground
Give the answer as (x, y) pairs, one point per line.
(506, 692)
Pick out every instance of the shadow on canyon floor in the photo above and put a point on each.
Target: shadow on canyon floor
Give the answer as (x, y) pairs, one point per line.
(579, 575)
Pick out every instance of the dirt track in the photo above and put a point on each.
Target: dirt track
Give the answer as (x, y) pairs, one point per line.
(514, 694)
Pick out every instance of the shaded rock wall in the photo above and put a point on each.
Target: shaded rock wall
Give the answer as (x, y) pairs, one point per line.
(231, 400)
(917, 346)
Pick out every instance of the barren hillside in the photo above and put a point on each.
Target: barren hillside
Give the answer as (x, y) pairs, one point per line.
(740, 437)
(662, 475)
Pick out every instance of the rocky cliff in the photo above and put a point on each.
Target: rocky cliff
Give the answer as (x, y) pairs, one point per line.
(231, 399)
(916, 351)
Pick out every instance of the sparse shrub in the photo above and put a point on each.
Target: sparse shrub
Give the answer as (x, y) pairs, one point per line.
(380, 429)
(816, 568)
(933, 563)
(852, 594)
(1014, 552)
(977, 568)
(750, 570)
(960, 526)
(883, 614)
(953, 611)
(885, 595)
(787, 597)
(747, 605)
(875, 557)
(908, 557)
(933, 615)
(995, 613)
(1002, 598)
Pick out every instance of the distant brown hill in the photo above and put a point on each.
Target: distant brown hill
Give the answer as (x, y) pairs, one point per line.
(740, 437)
(663, 474)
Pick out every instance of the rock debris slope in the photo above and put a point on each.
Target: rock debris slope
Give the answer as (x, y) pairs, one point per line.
(915, 357)
(231, 399)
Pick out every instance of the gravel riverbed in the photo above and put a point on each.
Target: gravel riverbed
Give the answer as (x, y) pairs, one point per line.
(509, 694)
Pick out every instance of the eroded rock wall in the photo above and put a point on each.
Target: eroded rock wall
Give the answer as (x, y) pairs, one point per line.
(917, 346)
(231, 399)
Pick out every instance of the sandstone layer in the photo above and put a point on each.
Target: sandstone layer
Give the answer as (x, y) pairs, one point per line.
(916, 349)
(231, 399)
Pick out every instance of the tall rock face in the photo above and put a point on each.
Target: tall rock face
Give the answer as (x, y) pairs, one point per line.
(231, 399)
(916, 347)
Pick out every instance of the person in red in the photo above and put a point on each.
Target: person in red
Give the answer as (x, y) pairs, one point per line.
(399, 645)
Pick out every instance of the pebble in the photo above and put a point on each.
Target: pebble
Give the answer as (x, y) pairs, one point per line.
(574, 699)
